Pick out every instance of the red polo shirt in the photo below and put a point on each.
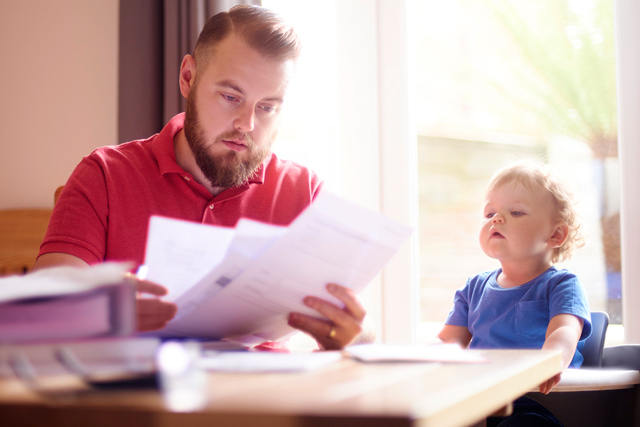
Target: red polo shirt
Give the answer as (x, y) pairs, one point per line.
(104, 210)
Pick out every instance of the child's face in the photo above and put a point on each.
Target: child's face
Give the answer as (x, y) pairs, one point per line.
(518, 224)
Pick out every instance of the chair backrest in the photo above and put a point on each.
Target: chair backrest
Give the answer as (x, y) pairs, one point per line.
(56, 195)
(625, 356)
(21, 232)
(594, 345)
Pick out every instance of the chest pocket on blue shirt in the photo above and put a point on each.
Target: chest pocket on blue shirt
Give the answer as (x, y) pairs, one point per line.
(532, 319)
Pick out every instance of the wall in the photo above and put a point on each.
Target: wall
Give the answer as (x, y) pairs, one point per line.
(59, 92)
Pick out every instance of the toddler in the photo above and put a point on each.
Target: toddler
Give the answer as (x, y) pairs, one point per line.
(529, 225)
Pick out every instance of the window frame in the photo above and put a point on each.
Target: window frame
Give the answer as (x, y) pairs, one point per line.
(628, 68)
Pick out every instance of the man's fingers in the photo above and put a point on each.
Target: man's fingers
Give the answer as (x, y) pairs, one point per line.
(348, 297)
(154, 313)
(351, 316)
(151, 288)
(344, 324)
(329, 335)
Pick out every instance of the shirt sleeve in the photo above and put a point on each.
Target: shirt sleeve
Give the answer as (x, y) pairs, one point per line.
(459, 314)
(568, 297)
(78, 224)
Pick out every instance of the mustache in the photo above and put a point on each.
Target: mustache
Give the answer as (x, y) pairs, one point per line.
(237, 136)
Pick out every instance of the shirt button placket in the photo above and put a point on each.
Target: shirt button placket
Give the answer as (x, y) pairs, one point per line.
(208, 213)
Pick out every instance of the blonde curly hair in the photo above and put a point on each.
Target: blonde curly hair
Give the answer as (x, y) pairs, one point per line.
(533, 174)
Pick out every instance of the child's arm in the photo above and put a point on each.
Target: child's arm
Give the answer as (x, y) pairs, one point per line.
(563, 333)
(455, 334)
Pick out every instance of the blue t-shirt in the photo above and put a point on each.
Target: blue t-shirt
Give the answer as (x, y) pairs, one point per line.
(518, 317)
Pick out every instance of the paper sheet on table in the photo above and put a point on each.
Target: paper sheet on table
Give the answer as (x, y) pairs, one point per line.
(451, 353)
(334, 240)
(179, 253)
(264, 361)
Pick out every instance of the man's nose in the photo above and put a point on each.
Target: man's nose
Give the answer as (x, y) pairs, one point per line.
(245, 119)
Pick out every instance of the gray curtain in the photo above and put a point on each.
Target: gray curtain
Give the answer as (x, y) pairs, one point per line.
(154, 37)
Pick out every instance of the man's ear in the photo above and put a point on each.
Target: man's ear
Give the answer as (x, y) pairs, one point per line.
(559, 236)
(187, 75)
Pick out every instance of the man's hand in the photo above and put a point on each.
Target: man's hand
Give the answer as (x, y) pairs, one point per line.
(153, 313)
(344, 324)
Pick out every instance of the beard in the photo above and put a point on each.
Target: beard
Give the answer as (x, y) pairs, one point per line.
(228, 169)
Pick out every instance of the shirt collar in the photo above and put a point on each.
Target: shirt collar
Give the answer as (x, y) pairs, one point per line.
(163, 146)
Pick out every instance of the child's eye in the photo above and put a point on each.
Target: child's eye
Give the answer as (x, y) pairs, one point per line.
(517, 213)
(489, 215)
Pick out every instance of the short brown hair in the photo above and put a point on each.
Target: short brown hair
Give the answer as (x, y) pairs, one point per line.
(261, 28)
(533, 174)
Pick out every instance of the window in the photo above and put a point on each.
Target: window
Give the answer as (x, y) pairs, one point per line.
(349, 101)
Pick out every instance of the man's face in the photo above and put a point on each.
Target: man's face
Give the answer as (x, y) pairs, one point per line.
(233, 109)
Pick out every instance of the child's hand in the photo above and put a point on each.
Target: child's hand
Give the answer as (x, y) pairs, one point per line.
(546, 386)
(455, 334)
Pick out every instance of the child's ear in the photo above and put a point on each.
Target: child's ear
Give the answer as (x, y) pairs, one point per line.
(559, 236)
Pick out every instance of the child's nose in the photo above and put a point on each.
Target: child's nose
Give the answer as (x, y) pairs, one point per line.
(497, 218)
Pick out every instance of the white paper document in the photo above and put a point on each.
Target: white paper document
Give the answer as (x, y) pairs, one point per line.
(444, 353)
(266, 271)
(178, 253)
(265, 361)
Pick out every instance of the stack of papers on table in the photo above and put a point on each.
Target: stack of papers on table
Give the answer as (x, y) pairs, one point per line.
(67, 303)
(241, 283)
(446, 353)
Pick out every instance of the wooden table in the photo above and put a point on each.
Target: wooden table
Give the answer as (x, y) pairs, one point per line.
(346, 393)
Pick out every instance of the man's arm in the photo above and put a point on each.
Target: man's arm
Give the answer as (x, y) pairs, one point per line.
(152, 313)
(55, 259)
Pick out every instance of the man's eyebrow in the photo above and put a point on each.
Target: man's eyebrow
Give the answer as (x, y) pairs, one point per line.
(231, 85)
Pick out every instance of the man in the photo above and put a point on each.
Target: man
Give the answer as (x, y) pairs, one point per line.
(212, 164)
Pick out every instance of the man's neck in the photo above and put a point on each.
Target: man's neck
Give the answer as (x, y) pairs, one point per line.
(216, 190)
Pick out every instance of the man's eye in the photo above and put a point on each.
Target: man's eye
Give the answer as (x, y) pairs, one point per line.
(229, 98)
(268, 108)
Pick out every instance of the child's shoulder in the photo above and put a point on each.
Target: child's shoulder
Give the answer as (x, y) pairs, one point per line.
(559, 274)
(558, 279)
